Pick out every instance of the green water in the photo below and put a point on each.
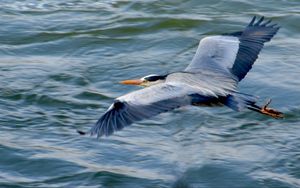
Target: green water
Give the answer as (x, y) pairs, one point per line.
(60, 63)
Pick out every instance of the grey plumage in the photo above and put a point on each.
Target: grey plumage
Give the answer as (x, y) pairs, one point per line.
(212, 77)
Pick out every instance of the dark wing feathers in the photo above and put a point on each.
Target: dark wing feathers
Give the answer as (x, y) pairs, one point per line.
(233, 53)
(142, 104)
(252, 40)
(116, 119)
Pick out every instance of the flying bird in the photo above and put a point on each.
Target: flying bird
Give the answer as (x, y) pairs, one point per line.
(211, 79)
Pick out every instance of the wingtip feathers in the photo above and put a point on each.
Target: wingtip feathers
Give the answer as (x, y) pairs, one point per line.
(259, 22)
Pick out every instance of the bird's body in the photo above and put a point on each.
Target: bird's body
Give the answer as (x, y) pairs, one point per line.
(210, 79)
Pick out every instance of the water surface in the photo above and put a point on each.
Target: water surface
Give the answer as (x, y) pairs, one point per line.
(60, 63)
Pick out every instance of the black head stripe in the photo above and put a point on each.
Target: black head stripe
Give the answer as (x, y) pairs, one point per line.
(155, 78)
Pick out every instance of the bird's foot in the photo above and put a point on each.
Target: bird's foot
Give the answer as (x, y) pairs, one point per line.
(270, 111)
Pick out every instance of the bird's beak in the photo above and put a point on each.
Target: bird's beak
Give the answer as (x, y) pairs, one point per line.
(132, 82)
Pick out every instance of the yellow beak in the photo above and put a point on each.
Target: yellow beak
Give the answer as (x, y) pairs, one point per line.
(131, 82)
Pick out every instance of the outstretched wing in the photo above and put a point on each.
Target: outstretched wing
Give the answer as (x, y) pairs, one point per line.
(234, 52)
(146, 103)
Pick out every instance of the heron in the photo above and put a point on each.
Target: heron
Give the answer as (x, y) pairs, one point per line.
(211, 79)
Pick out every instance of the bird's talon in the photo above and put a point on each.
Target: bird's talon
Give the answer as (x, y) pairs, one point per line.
(267, 104)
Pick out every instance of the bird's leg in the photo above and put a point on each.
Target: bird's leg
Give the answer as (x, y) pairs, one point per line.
(266, 111)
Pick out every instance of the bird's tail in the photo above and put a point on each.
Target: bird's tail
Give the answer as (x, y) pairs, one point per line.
(240, 101)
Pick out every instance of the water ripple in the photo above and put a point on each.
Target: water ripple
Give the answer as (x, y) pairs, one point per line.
(60, 66)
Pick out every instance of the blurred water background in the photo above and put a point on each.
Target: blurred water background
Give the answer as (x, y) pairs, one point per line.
(60, 63)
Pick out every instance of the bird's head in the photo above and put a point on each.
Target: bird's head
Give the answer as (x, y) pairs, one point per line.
(146, 81)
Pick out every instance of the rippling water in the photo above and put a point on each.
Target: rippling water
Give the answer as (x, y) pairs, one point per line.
(60, 62)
